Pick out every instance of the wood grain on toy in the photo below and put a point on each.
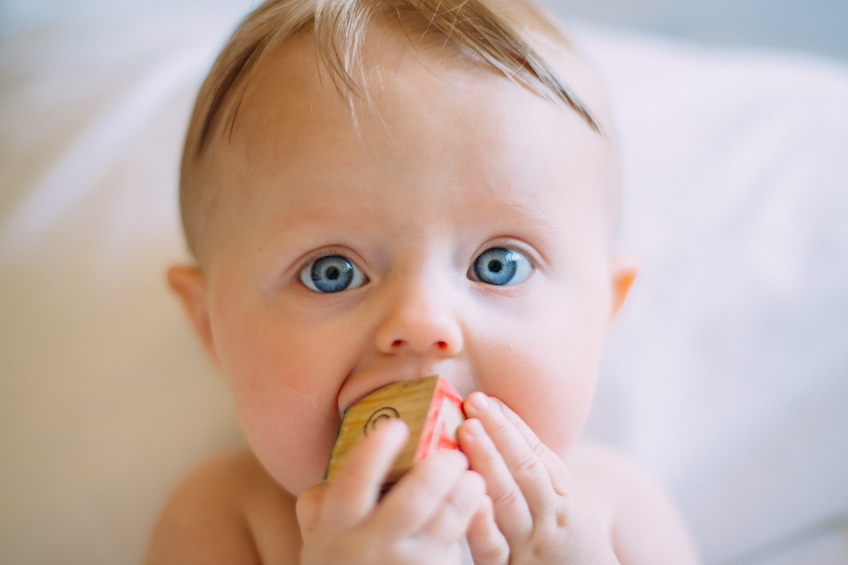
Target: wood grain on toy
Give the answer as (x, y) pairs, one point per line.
(431, 408)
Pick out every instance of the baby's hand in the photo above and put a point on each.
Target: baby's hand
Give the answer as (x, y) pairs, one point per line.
(539, 517)
(421, 520)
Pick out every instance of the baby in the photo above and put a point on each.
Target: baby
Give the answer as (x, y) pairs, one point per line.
(380, 190)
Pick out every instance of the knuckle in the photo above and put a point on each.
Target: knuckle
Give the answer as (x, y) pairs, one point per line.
(500, 423)
(435, 476)
(526, 464)
(468, 493)
(508, 496)
(421, 491)
(493, 550)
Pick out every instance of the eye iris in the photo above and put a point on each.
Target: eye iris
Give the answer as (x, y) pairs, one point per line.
(332, 274)
(497, 266)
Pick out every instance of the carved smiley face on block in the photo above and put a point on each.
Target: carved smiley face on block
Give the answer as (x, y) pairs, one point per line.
(431, 408)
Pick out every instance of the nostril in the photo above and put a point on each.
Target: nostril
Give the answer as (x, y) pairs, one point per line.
(440, 345)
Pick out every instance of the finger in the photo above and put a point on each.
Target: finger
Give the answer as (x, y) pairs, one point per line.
(308, 508)
(485, 541)
(451, 521)
(510, 508)
(416, 498)
(557, 472)
(522, 452)
(355, 487)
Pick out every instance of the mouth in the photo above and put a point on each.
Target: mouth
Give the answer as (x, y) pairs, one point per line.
(362, 383)
(387, 385)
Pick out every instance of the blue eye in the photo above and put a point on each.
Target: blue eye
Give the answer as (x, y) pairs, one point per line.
(332, 273)
(499, 266)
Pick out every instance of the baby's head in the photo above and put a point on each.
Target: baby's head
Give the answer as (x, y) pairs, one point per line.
(378, 190)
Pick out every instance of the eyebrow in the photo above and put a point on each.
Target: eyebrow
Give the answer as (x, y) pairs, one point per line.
(534, 214)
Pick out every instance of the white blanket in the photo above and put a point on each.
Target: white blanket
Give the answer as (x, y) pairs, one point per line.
(727, 375)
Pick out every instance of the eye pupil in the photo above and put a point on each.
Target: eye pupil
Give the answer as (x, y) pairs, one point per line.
(333, 273)
(495, 266)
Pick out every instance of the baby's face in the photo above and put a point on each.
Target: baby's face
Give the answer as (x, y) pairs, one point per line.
(460, 232)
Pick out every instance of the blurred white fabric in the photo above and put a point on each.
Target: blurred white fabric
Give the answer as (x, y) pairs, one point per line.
(727, 373)
(725, 376)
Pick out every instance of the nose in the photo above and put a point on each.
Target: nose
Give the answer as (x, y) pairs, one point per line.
(420, 321)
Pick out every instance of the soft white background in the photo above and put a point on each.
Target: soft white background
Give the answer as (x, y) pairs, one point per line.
(727, 376)
(816, 26)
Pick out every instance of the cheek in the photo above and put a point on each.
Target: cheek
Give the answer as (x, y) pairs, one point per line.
(545, 371)
(290, 430)
(549, 389)
(285, 391)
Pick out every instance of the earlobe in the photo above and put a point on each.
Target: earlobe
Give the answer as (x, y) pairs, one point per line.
(188, 283)
(623, 275)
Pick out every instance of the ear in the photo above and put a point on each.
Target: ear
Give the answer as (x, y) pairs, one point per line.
(623, 275)
(187, 282)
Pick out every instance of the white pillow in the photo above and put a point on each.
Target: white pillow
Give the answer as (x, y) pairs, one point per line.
(725, 375)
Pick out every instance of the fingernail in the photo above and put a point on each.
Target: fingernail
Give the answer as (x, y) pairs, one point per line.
(475, 428)
(479, 401)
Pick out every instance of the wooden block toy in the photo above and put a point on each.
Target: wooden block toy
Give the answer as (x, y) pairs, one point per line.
(431, 408)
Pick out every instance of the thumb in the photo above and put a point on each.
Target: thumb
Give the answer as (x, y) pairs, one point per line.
(309, 505)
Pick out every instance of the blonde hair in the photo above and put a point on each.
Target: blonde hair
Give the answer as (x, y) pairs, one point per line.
(339, 28)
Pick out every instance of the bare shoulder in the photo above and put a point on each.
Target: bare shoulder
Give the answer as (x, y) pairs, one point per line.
(643, 524)
(228, 510)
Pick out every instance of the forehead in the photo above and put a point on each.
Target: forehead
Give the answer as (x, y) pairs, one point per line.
(388, 48)
(427, 125)
(293, 95)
